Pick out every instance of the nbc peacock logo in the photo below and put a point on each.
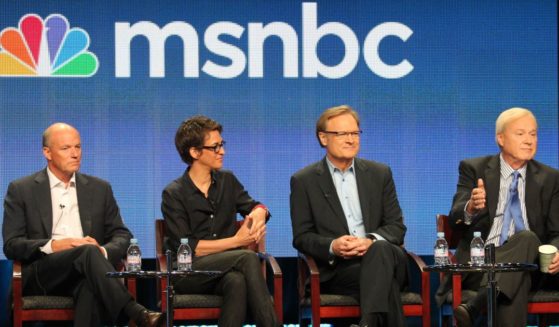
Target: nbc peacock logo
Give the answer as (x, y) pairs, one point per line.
(46, 48)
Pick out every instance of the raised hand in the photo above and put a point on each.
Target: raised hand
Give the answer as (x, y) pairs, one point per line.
(477, 199)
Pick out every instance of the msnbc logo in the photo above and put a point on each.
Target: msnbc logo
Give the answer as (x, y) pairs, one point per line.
(48, 48)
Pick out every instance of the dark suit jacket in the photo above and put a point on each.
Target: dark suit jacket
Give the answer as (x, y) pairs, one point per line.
(317, 216)
(27, 222)
(541, 196)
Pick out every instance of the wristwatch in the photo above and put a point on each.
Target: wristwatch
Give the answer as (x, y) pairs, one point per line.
(371, 237)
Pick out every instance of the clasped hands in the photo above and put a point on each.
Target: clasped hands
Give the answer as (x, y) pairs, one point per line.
(68, 243)
(253, 228)
(348, 246)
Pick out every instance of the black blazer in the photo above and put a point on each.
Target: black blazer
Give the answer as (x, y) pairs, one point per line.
(541, 196)
(27, 222)
(317, 216)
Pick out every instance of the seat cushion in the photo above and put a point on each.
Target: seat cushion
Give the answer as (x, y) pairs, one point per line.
(411, 298)
(345, 300)
(47, 302)
(544, 296)
(466, 296)
(197, 301)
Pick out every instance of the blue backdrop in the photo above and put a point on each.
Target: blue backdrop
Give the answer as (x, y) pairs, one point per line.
(471, 60)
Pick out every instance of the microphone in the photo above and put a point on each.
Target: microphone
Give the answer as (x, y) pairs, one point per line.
(326, 195)
(61, 206)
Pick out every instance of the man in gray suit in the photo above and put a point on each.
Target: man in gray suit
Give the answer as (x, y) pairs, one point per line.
(513, 200)
(345, 214)
(66, 229)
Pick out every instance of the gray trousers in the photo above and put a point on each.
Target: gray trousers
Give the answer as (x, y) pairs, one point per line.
(242, 285)
(513, 288)
(79, 272)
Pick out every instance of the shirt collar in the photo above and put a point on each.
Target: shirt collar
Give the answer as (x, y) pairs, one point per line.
(507, 170)
(54, 181)
(333, 168)
(190, 184)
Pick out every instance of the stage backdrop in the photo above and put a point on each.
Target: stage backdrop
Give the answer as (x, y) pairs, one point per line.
(428, 79)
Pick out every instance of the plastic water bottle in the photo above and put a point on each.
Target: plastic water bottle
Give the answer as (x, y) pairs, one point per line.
(441, 250)
(477, 250)
(184, 256)
(134, 256)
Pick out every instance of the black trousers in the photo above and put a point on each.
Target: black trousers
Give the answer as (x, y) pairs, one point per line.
(242, 285)
(375, 280)
(80, 273)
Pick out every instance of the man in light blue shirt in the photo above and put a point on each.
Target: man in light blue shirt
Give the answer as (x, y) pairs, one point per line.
(345, 214)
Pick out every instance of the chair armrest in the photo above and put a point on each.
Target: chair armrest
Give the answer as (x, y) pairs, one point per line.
(309, 269)
(161, 262)
(272, 262)
(17, 292)
(425, 283)
(310, 263)
(418, 261)
(161, 285)
(456, 283)
(16, 270)
(277, 282)
(456, 289)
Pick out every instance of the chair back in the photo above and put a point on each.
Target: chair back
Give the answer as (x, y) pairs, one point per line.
(452, 236)
(160, 230)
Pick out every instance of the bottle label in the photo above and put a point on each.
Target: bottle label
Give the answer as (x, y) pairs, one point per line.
(183, 258)
(441, 253)
(134, 259)
(477, 252)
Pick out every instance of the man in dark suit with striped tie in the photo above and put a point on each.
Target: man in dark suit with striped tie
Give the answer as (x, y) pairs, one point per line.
(513, 200)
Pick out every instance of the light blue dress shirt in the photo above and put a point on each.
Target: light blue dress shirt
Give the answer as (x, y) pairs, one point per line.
(345, 183)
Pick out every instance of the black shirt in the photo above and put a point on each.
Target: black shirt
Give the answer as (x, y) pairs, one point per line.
(188, 213)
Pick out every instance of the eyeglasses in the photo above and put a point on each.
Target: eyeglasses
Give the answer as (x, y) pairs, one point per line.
(340, 135)
(214, 148)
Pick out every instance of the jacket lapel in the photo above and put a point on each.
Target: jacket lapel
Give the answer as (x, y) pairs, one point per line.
(363, 190)
(84, 201)
(493, 178)
(42, 197)
(532, 193)
(329, 191)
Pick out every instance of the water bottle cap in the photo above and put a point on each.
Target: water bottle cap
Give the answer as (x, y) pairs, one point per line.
(477, 234)
(134, 241)
(440, 234)
(184, 240)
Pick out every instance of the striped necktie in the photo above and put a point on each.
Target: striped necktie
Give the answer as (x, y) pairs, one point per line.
(513, 212)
